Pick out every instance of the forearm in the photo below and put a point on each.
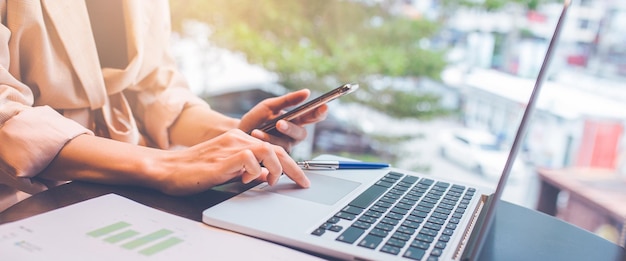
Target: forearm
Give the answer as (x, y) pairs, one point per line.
(96, 159)
(179, 172)
(199, 123)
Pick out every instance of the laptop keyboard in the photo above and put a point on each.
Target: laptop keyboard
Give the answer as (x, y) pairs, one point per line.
(402, 215)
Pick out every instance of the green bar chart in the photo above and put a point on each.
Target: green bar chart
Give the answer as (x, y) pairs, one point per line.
(147, 244)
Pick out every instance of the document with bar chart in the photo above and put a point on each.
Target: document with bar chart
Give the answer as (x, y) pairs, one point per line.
(112, 227)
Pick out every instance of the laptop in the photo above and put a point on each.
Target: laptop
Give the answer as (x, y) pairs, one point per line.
(376, 214)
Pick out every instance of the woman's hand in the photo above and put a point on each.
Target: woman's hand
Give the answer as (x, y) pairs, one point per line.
(228, 156)
(293, 131)
(233, 154)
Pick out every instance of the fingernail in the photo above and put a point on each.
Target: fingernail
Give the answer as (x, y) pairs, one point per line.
(282, 125)
(256, 133)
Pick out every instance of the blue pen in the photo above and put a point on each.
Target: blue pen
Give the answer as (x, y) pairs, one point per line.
(335, 164)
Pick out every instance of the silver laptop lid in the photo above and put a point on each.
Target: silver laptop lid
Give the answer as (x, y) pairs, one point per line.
(480, 235)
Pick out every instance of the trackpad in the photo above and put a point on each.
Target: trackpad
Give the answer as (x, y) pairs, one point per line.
(324, 189)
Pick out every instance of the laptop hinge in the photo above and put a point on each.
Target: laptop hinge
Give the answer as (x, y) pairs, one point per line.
(476, 219)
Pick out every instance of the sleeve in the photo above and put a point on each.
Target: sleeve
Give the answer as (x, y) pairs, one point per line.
(156, 109)
(30, 137)
(160, 96)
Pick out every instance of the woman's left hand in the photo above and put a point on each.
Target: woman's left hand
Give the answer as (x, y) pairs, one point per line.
(292, 131)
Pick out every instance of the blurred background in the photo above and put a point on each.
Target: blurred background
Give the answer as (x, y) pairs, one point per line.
(443, 85)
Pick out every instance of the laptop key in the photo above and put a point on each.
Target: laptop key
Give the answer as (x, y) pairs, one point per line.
(318, 232)
(390, 180)
(392, 195)
(439, 215)
(352, 210)
(395, 174)
(415, 219)
(333, 220)
(368, 196)
(408, 199)
(444, 238)
(432, 226)
(385, 227)
(414, 253)
(437, 221)
(361, 224)
(350, 235)
(411, 224)
(384, 204)
(335, 228)
(400, 211)
(404, 206)
(429, 232)
(379, 209)
(436, 252)
(420, 244)
(379, 232)
(419, 212)
(442, 184)
(401, 236)
(427, 181)
(444, 209)
(395, 216)
(396, 242)
(345, 215)
(326, 225)
(424, 238)
(406, 230)
(389, 249)
(367, 219)
(390, 221)
(388, 200)
(410, 179)
(370, 241)
(427, 205)
(384, 183)
(372, 213)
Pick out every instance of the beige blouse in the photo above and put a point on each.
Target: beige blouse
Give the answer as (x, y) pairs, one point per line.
(53, 88)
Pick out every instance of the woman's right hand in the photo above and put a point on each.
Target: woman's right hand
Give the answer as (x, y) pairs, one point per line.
(223, 158)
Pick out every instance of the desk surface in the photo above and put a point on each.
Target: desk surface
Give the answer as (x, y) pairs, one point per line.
(518, 233)
(602, 188)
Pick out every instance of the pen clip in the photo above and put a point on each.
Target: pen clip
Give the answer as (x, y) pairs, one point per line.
(318, 165)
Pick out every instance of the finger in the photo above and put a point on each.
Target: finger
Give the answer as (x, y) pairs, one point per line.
(263, 177)
(247, 161)
(284, 141)
(249, 177)
(291, 130)
(279, 103)
(313, 116)
(292, 170)
(266, 154)
(260, 135)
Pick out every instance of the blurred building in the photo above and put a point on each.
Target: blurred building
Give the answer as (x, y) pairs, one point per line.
(510, 39)
(581, 113)
(570, 127)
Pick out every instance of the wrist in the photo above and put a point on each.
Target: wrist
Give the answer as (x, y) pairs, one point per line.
(199, 123)
(153, 169)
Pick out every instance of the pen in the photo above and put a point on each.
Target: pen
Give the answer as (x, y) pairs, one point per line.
(335, 164)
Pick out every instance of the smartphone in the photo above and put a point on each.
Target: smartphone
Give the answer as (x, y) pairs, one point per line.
(270, 126)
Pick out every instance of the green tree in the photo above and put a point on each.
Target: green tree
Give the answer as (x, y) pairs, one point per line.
(319, 44)
(491, 5)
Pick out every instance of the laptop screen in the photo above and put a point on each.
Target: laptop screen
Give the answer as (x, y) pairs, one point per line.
(490, 210)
